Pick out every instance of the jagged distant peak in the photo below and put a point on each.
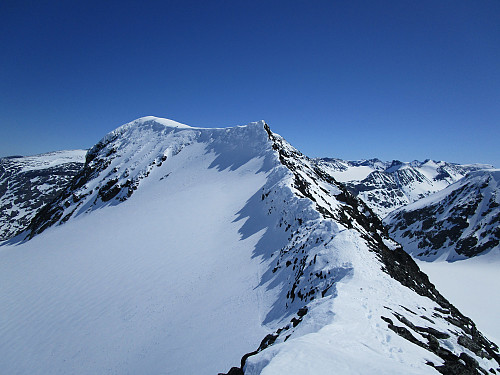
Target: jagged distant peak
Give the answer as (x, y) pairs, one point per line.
(386, 186)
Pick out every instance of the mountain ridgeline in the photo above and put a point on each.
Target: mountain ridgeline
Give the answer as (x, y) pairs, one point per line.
(330, 283)
(386, 186)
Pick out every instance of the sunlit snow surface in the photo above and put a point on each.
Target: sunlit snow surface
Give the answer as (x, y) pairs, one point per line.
(160, 284)
(472, 286)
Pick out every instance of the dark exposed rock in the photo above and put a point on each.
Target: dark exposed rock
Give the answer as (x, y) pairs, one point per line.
(434, 332)
(233, 371)
(302, 311)
(295, 321)
(266, 342)
(271, 338)
(109, 190)
(433, 342)
(405, 333)
(471, 362)
(29, 183)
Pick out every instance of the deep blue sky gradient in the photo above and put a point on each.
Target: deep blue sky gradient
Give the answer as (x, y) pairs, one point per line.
(350, 79)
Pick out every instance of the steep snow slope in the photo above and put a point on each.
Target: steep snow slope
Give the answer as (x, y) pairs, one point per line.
(27, 183)
(459, 222)
(162, 283)
(387, 186)
(183, 248)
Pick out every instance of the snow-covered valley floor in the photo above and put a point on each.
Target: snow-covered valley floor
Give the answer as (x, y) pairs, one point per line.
(472, 286)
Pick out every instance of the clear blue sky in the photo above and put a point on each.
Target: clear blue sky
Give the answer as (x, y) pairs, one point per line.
(350, 79)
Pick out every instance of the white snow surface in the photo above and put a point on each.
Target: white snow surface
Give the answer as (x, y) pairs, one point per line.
(178, 278)
(50, 159)
(352, 173)
(343, 332)
(472, 286)
(159, 284)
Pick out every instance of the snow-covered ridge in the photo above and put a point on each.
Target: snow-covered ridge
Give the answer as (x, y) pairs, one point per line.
(182, 249)
(157, 124)
(344, 250)
(455, 223)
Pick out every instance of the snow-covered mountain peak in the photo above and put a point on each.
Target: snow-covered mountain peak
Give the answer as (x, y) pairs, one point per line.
(395, 165)
(126, 156)
(160, 124)
(143, 124)
(159, 120)
(183, 248)
(151, 130)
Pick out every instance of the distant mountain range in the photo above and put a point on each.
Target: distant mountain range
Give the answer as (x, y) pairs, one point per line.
(386, 186)
(28, 183)
(436, 209)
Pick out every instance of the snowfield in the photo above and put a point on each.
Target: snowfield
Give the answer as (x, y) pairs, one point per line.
(160, 284)
(472, 286)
